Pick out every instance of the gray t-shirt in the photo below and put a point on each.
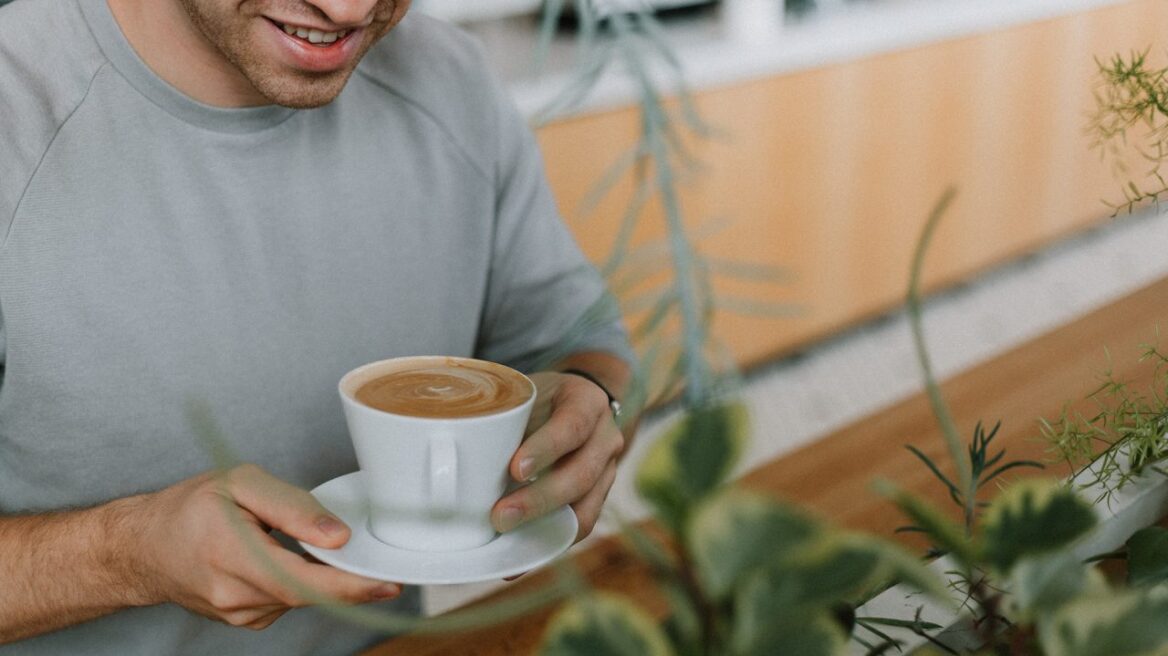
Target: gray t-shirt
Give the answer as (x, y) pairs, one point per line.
(156, 251)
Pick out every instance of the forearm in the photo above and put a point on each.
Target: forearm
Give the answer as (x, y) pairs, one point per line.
(63, 568)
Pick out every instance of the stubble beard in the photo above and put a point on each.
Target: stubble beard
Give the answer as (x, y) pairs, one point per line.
(295, 89)
(298, 91)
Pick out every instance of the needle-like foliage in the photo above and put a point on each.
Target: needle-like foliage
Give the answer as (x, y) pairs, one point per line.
(1131, 114)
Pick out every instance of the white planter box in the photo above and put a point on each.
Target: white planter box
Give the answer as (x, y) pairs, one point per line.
(1140, 504)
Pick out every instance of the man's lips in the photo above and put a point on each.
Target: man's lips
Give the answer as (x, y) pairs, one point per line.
(311, 34)
(316, 50)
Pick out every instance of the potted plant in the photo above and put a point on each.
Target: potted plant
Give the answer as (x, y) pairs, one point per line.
(747, 575)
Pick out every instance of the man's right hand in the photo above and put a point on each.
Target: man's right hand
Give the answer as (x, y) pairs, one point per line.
(204, 543)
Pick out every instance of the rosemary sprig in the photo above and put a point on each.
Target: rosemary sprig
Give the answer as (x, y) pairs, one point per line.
(983, 469)
(1132, 96)
(1124, 437)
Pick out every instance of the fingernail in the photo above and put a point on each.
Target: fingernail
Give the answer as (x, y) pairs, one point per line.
(387, 591)
(330, 525)
(525, 468)
(509, 518)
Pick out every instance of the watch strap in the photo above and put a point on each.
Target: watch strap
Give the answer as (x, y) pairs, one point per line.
(614, 404)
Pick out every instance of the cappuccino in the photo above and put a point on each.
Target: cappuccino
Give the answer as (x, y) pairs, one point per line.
(433, 436)
(446, 388)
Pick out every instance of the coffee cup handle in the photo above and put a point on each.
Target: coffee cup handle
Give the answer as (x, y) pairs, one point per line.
(443, 473)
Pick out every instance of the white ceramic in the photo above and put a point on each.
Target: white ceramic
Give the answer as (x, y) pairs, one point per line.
(431, 482)
(530, 546)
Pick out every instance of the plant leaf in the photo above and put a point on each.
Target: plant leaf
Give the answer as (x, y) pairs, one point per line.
(945, 534)
(759, 631)
(1045, 583)
(736, 533)
(691, 460)
(1147, 560)
(1128, 623)
(899, 566)
(822, 572)
(752, 271)
(1033, 517)
(904, 624)
(604, 625)
(953, 491)
(1008, 466)
(683, 627)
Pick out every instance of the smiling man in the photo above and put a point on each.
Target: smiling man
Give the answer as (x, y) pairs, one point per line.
(235, 202)
(235, 54)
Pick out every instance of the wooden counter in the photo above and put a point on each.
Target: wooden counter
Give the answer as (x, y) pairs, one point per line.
(831, 172)
(832, 477)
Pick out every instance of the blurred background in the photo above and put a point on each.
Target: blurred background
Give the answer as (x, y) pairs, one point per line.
(837, 126)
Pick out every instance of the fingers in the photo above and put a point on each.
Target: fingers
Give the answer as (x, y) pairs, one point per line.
(588, 509)
(283, 578)
(306, 583)
(575, 479)
(285, 507)
(207, 548)
(578, 407)
(266, 584)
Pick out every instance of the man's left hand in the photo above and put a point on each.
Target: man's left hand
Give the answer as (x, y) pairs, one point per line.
(569, 456)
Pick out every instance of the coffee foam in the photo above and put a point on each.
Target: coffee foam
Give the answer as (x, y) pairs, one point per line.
(443, 388)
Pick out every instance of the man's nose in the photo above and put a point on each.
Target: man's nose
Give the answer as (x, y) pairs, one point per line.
(346, 13)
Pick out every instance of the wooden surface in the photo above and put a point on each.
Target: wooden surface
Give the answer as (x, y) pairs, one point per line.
(831, 172)
(832, 477)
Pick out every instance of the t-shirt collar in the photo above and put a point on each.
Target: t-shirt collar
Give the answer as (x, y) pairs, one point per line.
(125, 59)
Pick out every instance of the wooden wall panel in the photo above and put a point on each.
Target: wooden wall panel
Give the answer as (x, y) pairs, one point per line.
(831, 172)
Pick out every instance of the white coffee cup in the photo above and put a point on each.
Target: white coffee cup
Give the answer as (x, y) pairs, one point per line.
(431, 481)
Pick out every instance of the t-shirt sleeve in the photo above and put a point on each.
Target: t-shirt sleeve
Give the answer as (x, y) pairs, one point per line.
(544, 299)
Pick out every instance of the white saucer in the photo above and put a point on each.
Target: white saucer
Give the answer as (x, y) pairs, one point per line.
(521, 550)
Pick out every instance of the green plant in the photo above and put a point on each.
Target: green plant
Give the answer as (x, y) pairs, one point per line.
(1123, 437)
(1131, 111)
(747, 575)
(735, 561)
(744, 573)
(1026, 591)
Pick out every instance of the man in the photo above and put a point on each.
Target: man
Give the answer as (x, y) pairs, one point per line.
(234, 202)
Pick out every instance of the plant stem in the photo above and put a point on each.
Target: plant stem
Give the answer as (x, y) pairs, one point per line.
(957, 453)
(707, 612)
(693, 326)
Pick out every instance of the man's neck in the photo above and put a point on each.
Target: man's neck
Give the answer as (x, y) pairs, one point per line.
(165, 38)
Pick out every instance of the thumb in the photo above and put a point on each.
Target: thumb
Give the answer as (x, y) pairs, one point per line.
(286, 507)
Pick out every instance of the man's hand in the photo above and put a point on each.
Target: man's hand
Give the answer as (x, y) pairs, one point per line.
(204, 543)
(571, 453)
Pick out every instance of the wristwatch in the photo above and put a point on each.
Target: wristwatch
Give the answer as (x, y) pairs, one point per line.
(613, 403)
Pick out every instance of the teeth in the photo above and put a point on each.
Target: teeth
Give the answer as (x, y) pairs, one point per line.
(314, 36)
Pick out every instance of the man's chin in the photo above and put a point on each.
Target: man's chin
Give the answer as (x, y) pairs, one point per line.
(304, 103)
(300, 94)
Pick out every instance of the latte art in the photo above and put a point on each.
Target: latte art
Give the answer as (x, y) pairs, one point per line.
(444, 391)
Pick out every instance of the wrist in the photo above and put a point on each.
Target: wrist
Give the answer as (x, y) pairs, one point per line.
(614, 404)
(123, 552)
